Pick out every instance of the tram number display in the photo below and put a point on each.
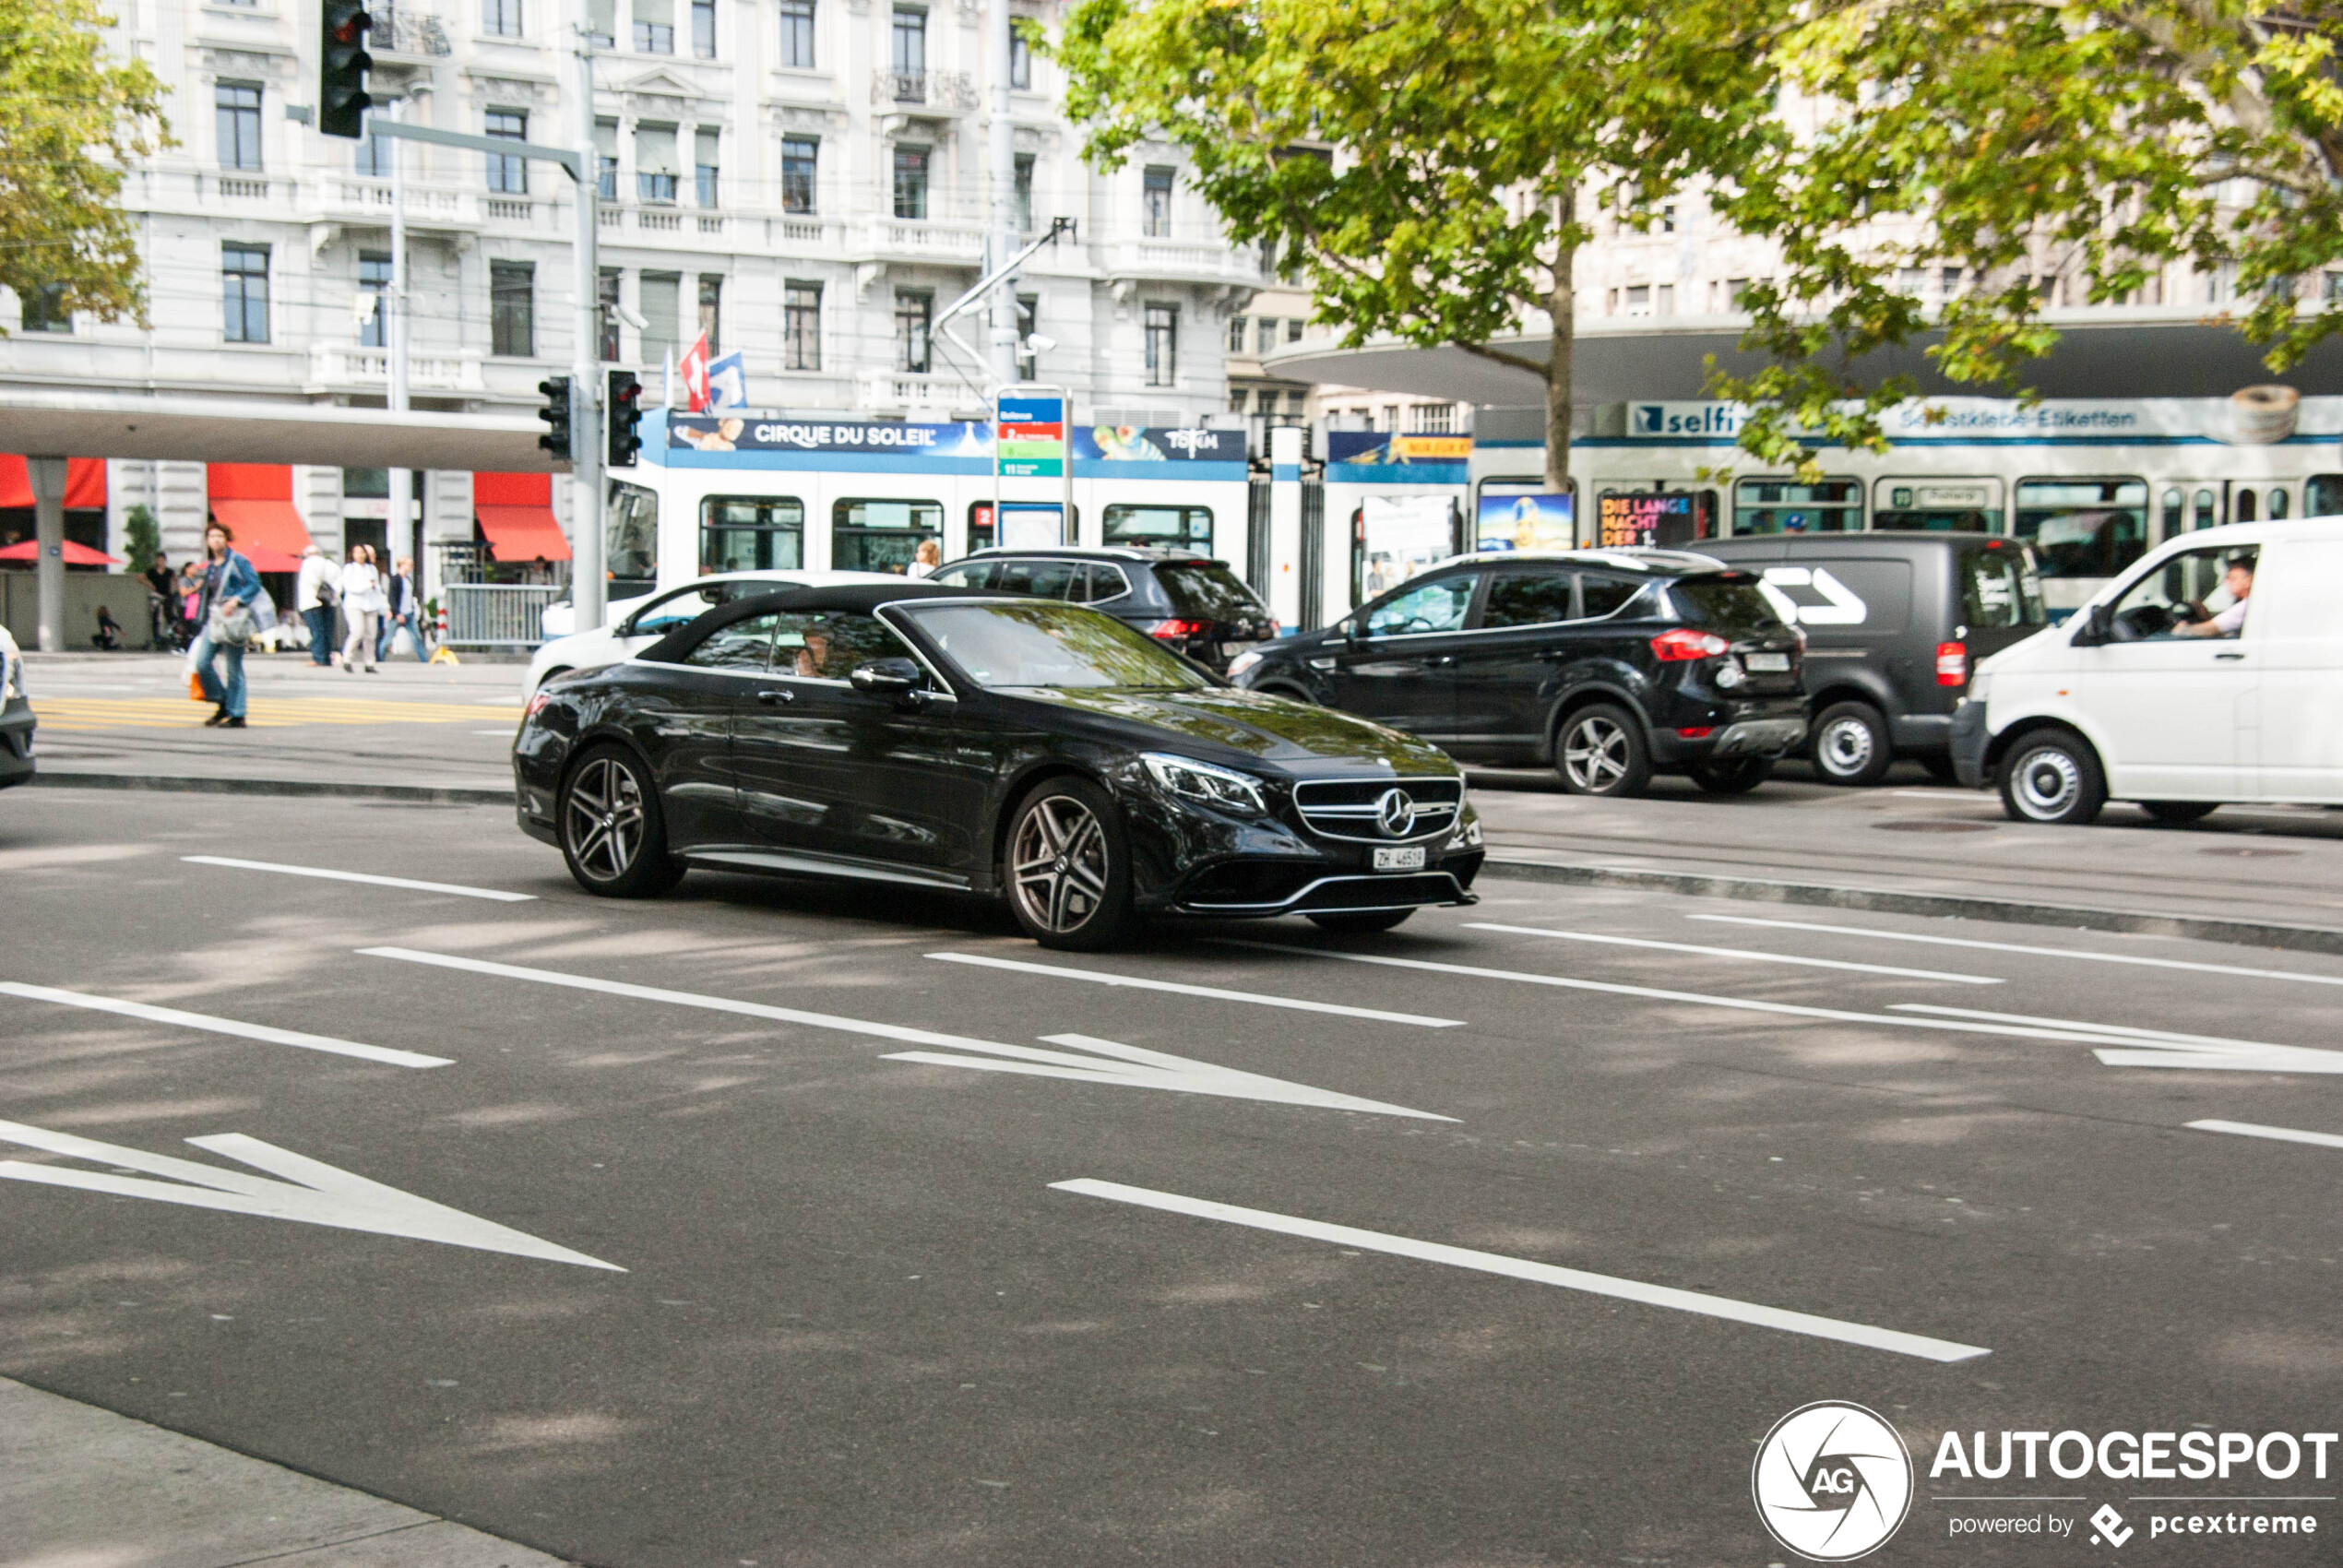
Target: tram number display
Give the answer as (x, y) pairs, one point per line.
(1655, 520)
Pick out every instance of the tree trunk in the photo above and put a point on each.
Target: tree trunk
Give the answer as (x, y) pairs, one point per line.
(1562, 305)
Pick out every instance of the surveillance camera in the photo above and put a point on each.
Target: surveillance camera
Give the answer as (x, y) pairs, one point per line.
(630, 318)
(1036, 344)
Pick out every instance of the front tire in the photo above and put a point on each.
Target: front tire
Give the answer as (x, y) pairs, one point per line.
(2180, 813)
(1732, 776)
(612, 832)
(1602, 751)
(2052, 778)
(1362, 923)
(1068, 870)
(1851, 745)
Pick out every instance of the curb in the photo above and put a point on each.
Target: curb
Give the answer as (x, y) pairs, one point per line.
(431, 794)
(2249, 934)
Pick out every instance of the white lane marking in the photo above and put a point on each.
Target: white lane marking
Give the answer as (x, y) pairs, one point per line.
(2165, 1048)
(311, 1193)
(2083, 1035)
(1541, 1273)
(2023, 947)
(1973, 797)
(210, 1025)
(2283, 1135)
(506, 732)
(1738, 953)
(498, 894)
(1108, 1062)
(1061, 972)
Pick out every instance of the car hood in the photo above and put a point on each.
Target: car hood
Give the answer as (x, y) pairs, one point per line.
(1264, 728)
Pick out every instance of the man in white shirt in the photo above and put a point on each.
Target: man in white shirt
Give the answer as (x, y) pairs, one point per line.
(314, 597)
(2229, 622)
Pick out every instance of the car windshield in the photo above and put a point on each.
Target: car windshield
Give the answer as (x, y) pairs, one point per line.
(1730, 605)
(1030, 644)
(1207, 590)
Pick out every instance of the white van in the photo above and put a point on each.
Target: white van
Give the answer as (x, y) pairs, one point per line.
(2167, 691)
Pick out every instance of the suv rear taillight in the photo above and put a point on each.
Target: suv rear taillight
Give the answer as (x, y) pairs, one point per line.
(1169, 630)
(1952, 664)
(1676, 647)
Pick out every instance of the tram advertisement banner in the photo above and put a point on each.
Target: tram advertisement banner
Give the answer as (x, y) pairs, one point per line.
(732, 432)
(1525, 522)
(1657, 520)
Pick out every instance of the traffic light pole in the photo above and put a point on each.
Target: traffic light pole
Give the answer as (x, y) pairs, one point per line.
(588, 580)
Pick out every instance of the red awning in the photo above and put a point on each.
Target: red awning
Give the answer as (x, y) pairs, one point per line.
(257, 526)
(518, 535)
(85, 482)
(74, 555)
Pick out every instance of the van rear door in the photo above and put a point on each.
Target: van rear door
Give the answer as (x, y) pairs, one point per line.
(2294, 631)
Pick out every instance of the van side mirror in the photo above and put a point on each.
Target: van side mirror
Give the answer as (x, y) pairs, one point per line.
(2098, 627)
(897, 678)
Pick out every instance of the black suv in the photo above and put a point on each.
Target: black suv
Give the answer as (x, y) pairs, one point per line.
(1894, 622)
(1607, 664)
(1189, 603)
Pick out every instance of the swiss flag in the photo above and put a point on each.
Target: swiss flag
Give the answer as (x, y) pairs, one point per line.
(692, 369)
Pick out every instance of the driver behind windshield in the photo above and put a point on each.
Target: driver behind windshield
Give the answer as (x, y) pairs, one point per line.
(2229, 622)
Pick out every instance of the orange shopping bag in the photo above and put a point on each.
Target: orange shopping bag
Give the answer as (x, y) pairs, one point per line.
(194, 688)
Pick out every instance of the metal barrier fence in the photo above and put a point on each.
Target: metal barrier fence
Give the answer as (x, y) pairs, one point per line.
(497, 614)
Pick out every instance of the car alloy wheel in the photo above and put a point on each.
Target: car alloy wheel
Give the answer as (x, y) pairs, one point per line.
(1068, 872)
(1601, 753)
(611, 830)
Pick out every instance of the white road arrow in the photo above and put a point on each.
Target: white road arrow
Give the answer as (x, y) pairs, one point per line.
(311, 1193)
(2129, 1047)
(1129, 1066)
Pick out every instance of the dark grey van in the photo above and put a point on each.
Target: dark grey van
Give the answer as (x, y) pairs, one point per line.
(1894, 622)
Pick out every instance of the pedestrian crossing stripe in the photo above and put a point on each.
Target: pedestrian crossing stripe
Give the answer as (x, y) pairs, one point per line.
(261, 713)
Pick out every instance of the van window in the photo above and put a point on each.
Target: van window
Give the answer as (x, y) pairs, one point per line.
(1998, 587)
(1939, 505)
(631, 534)
(2083, 528)
(2184, 586)
(1734, 608)
(1772, 505)
(881, 535)
(751, 533)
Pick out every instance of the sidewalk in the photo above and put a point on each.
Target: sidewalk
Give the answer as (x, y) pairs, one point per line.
(84, 1488)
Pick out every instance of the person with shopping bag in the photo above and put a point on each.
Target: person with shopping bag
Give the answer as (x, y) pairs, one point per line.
(363, 604)
(313, 598)
(406, 613)
(230, 588)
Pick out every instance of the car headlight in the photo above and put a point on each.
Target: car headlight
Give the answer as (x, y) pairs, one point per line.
(1202, 782)
(1243, 661)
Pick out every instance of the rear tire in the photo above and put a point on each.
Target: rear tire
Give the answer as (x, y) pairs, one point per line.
(1600, 750)
(2179, 813)
(2052, 778)
(1363, 923)
(1851, 745)
(612, 832)
(1067, 867)
(1732, 776)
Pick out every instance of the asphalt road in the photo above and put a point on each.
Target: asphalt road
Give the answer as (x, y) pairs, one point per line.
(859, 1321)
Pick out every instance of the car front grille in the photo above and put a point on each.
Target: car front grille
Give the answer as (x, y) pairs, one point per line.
(1355, 809)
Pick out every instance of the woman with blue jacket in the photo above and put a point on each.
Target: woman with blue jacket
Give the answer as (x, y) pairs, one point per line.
(230, 588)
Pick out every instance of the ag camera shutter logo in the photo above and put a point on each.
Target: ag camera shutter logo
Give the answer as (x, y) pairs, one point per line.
(1832, 1481)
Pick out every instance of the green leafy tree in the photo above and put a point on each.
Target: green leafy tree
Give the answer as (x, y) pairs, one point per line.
(141, 537)
(2013, 142)
(71, 121)
(1432, 167)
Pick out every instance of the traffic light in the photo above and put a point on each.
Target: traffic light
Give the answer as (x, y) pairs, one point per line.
(555, 413)
(342, 65)
(624, 410)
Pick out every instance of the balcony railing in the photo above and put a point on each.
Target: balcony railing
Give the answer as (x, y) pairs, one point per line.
(353, 198)
(1184, 260)
(912, 389)
(924, 240)
(950, 91)
(350, 365)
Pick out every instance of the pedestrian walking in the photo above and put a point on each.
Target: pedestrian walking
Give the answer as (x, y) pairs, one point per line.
(361, 606)
(405, 611)
(314, 596)
(190, 601)
(224, 610)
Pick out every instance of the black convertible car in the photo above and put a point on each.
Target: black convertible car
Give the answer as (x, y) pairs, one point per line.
(927, 735)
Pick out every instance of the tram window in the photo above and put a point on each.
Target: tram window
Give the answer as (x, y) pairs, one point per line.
(979, 526)
(630, 552)
(1176, 527)
(2322, 496)
(2175, 511)
(876, 535)
(751, 533)
(1772, 505)
(2208, 509)
(1965, 506)
(2246, 506)
(2279, 508)
(2083, 528)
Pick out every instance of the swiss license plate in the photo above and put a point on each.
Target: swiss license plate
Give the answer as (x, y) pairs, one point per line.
(1398, 860)
(1767, 663)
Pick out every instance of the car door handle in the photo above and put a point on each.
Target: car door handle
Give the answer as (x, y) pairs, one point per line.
(1440, 659)
(776, 698)
(2229, 656)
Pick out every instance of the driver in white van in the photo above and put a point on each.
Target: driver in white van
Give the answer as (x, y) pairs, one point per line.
(2230, 622)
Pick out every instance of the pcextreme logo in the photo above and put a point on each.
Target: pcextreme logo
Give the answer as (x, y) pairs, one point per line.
(1832, 1481)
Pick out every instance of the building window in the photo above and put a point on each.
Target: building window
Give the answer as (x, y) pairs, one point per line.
(910, 182)
(799, 161)
(1237, 397)
(239, 109)
(366, 483)
(508, 172)
(913, 309)
(606, 159)
(704, 30)
(711, 311)
(1020, 61)
(1267, 340)
(705, 147)
(802, 325)
(501, 18)
(1639, 299)
(243, 279)
(374, 278)
(42, 308)
(1237, 334)
(659, 297)
(608, 291)
(372, 157)
(1666, 299)
(1023, 192)
(1157, 211)
(1163, 345)
(512, 309)
(2333, 292)
(655, 27)
(655, 174)
(797, 34)
(1433, 419)
(1029, 319)
(1293, 329)
(601, 23)
(910, 56)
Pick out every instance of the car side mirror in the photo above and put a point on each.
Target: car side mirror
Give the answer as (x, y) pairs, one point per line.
(897, 678)
(2098, 627)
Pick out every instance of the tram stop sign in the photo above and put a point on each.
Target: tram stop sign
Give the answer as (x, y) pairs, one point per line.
(1028, 436)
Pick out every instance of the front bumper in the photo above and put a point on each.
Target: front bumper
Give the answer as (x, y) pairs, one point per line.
(1312, 890)
(17, 725)
(1970, 739)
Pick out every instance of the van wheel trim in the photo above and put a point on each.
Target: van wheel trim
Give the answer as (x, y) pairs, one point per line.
(2047, 784)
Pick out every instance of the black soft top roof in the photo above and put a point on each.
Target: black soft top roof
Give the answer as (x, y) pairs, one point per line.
(850, 598)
